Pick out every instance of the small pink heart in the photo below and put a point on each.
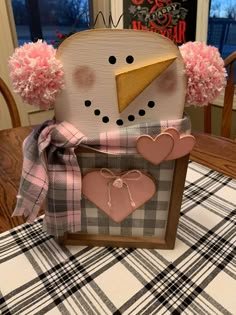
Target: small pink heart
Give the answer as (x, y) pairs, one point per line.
(118, 195)
(155, 150)
(182, 145)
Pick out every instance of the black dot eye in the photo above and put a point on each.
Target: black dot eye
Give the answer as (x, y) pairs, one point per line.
(131, 117)
(87, 103)
(141, 112)
(119, 122)
(97, 112)
(151, 104)
(112, 60)
(129, 59)
(105, 119)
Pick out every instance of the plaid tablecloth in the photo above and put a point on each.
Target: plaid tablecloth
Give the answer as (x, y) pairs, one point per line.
(37, 276)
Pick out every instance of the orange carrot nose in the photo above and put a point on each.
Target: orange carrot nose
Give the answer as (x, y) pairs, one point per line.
(132, 83)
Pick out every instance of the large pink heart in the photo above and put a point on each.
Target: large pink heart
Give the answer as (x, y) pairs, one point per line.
(182, 145)
(155, 150)
(118, 195)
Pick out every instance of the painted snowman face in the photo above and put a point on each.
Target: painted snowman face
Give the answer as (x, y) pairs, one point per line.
(116, 78)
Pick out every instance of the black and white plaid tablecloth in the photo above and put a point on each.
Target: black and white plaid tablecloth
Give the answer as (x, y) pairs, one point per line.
(37, 276)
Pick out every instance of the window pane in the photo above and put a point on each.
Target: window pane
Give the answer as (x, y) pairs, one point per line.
(222, 26)
(64, 16)
(21, 21)
(50, 19)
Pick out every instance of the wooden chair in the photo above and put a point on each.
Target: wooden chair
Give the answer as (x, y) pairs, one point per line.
(11, 104)
(218, 152)
(226, 120)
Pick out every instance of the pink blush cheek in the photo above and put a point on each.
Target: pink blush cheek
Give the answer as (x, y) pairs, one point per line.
(168, 81)
(84, 77)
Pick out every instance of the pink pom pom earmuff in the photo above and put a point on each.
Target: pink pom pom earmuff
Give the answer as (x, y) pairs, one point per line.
(36, 74)
(205, 72)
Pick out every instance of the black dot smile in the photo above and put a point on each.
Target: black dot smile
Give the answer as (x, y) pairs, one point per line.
(105, 119)
(141, 112)
(97, 112)
(131, 117)
(119, 122)
(87, 103)
(151, 104)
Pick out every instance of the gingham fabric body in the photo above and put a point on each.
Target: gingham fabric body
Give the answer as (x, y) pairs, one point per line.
(150, 219)
(52, 173)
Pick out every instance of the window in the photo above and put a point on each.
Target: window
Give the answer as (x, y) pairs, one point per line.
(222, 26)
(50, 19)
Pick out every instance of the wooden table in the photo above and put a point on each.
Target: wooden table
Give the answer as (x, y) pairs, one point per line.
(214, 152)
(38, 276)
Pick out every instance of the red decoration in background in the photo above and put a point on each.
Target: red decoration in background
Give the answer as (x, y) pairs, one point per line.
(173, 19)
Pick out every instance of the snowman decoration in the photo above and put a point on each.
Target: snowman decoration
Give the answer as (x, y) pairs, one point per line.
(119, 98)
(120, 78)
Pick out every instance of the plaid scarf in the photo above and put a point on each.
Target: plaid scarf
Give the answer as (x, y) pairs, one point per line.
(51, 172)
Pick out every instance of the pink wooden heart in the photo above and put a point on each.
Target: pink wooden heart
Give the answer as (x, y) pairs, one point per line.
(155, 150)
(182, 145)
(118, 195)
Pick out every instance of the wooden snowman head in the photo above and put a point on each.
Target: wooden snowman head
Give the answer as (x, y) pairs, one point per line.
(106, 79)
(117, 78)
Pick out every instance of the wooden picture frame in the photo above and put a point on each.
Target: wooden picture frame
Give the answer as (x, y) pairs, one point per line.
(157, 56)
(168, 242)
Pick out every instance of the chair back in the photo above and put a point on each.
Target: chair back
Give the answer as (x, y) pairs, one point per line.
(11, 104)
(226, 120)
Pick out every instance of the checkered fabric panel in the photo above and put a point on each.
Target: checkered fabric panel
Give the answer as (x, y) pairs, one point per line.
(37, 276)
(148, 220)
